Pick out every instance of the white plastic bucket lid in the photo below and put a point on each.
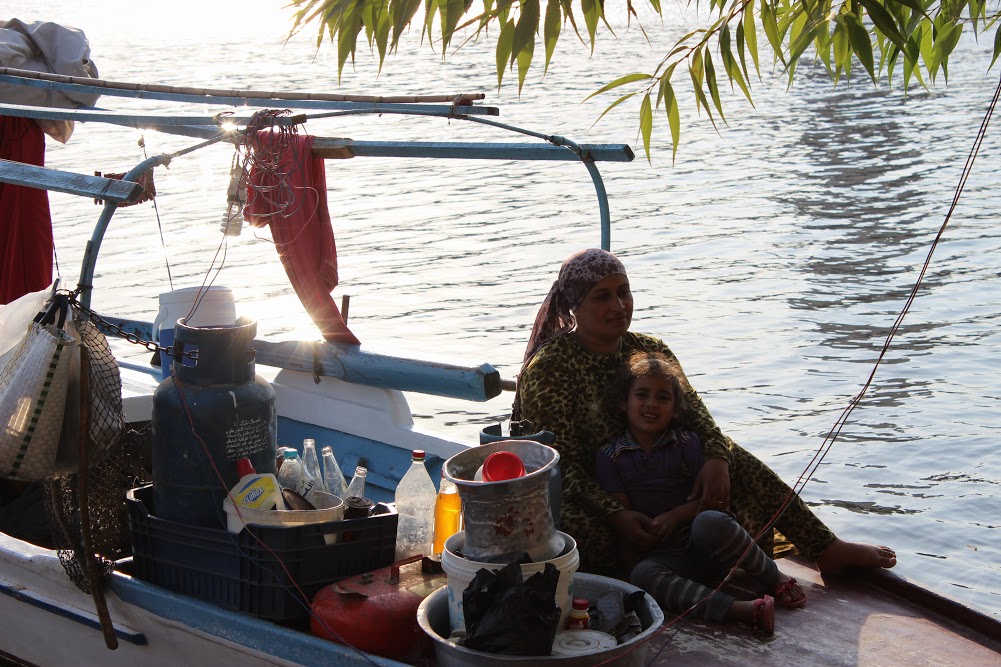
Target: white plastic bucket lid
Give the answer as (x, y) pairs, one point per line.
(216, 307)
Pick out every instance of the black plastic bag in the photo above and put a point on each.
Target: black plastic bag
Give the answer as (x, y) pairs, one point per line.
(507, 615)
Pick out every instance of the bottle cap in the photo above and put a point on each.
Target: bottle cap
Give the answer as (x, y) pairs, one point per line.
(580, 603)
(502, 465)
(291, 454)
(244, 467)
(418, 454)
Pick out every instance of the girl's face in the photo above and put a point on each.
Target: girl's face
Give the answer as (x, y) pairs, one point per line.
(649, 406)
(606, 312)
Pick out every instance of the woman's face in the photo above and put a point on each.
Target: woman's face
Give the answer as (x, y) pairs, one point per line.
(606, 312)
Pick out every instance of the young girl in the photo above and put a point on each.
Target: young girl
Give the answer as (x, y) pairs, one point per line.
(652, 469)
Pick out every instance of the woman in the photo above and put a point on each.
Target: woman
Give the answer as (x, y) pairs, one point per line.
(581, 336)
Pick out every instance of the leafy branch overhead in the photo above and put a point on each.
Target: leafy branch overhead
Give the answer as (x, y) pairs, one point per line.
(882, 37)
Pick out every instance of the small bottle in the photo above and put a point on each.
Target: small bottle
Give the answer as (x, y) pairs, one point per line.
(290, 474)
(259, 491)
(578, 618)
(333, 478)
(447, 514)
(415, 501)
(356, 489)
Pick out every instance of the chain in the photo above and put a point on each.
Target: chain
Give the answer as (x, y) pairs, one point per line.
(130, 336)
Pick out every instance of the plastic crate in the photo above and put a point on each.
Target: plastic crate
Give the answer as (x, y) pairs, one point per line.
(237, 572)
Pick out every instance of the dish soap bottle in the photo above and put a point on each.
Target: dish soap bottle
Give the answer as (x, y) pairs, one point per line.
(447, 514)
(259, 491)
(415, 500)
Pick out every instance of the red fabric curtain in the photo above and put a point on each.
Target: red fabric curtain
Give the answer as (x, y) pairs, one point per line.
(290, 196)
(25, 222)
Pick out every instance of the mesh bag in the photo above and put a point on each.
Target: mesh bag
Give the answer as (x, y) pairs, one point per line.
(90, 510)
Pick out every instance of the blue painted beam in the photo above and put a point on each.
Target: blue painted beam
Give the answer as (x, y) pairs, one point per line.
(241, 629)
(469, 150)
(95, 187)
(354, 364)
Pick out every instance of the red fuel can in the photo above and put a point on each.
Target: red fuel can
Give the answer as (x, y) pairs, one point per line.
(376, 612)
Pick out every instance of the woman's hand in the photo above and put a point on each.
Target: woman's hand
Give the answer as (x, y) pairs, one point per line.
(712, 485)
(636, 528)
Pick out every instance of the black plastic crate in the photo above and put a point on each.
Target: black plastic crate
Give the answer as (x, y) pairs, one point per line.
(237, 572)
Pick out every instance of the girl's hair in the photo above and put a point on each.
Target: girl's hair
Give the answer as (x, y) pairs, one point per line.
(639, 364)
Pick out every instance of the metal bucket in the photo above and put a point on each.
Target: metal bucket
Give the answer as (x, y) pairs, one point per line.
(432, 615)
(504, 519)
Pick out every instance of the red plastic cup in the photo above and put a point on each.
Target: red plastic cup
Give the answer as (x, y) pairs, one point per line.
(502, 465)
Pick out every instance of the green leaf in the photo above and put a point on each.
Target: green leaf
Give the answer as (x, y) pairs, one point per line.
(695, 71)
(945, 42)
(612, 106)
(621, 81)
(525, 61)
(750, 37)
(524, 31)
(592, 12)
(551, 30)
(451, 12)
(711, 83)
(770, 25)
(505, 40)
(883, 21)
(858, 37)
(671, 107)
(646, 124)
(997, 46)
(402, 13)
(842, 49)
(730, 64)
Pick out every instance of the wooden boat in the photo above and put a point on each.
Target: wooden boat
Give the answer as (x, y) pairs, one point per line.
(358, 405)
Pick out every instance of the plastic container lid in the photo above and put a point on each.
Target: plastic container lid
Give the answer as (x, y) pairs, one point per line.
(502, 465)
(582, 642)
(580, 603)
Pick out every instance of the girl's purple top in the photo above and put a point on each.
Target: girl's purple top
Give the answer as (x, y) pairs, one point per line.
(656, 482)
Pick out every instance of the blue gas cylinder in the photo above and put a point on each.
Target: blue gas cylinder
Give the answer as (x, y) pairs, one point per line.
(212, 411)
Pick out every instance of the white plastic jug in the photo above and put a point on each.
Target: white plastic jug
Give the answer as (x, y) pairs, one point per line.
(215, 308)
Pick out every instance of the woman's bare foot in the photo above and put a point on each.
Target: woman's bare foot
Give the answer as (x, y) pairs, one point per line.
(840, 555)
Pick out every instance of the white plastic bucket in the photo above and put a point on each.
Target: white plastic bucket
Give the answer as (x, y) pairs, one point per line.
(460, 572)
(215, 308)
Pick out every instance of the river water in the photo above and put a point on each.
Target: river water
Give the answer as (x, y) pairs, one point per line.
(773, 256)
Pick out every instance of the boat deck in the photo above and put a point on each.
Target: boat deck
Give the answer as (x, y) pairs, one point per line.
(847, 621)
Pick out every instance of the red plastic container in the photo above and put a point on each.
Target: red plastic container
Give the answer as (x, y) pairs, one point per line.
(376, 612)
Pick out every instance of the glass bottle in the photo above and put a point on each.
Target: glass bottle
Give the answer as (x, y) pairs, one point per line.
(415, 501)
(356, 489)
(310, 463)
(447, 514)
(333, 478)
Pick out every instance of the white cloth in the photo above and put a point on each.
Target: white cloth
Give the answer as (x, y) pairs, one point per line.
(43, 46)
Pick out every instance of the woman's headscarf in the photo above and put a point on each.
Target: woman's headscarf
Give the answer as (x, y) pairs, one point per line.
(578, 276)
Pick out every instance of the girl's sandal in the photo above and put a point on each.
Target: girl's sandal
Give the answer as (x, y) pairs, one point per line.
(763, 615)
(789, 595)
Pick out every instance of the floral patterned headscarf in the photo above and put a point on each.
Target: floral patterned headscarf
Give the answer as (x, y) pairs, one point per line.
(578, 276)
